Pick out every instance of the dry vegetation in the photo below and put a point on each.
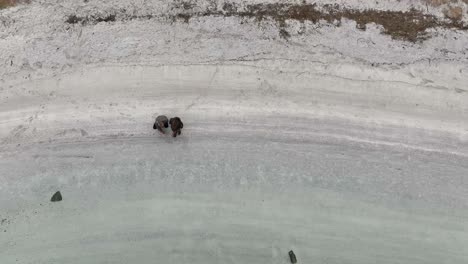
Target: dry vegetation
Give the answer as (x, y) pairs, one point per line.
(437, 3)
(454, 12)
(411, 25)
(8, 3)
(452, 9)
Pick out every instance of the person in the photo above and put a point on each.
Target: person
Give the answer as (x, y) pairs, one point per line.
(161, 123)
(176, 126)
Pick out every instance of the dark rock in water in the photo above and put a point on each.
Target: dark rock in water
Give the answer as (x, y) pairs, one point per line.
(57, 197)
(292, 257)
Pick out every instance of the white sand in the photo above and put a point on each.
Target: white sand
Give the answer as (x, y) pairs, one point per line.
(343, 145)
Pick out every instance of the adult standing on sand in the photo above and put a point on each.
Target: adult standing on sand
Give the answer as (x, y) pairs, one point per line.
(176, 126)
(161, 121)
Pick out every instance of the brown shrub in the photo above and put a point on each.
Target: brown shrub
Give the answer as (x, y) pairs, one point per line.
(8, 3)
(440, 2)
(454, 12)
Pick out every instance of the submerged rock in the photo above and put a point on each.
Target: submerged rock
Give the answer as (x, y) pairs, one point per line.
(292, 257)
(57, 197)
